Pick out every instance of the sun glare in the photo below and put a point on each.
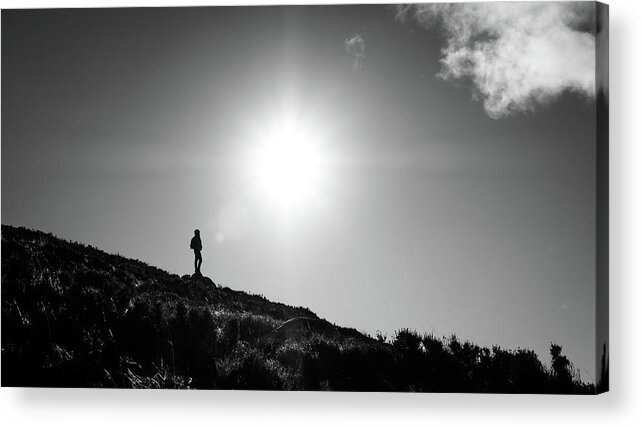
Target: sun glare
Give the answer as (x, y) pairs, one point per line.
(289, 168)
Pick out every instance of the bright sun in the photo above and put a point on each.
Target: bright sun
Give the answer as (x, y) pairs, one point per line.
(289, 168)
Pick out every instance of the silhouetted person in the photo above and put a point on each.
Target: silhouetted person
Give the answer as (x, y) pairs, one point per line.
(197, 246)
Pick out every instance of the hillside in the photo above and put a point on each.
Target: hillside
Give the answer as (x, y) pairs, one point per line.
(75, 316)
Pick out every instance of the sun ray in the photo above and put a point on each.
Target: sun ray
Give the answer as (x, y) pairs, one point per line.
(288, 167)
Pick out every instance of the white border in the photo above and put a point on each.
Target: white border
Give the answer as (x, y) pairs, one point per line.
(620, 407)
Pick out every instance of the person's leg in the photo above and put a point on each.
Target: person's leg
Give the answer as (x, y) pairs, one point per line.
(195, 261)
(199, 259)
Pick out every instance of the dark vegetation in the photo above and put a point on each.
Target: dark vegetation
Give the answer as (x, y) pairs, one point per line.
(74, 316)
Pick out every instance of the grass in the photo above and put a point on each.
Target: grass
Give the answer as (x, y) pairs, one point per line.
(74, 316)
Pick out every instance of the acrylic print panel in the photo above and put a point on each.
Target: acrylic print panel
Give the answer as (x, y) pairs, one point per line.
(362, 198)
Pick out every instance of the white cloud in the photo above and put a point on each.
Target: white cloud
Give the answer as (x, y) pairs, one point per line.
(355, 45)
(517, 55)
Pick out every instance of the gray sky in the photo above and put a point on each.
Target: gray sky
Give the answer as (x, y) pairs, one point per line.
(455, 191)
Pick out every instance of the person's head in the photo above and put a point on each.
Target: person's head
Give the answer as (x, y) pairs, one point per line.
(197, 232)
